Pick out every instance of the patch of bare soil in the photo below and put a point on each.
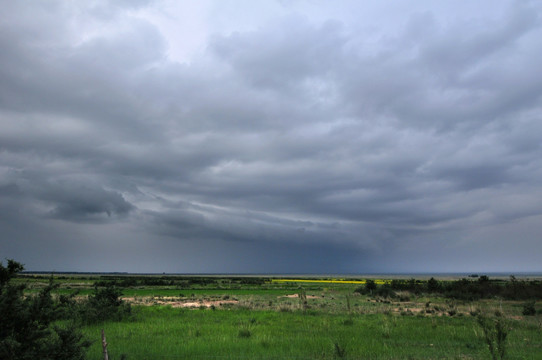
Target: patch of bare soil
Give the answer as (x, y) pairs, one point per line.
(297, 295)
(205, 303)
(414, 310)
(176, 303)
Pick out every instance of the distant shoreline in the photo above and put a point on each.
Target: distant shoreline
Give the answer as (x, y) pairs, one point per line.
(451, 276)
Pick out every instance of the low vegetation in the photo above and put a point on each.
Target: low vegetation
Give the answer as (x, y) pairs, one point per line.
(40, 326)
(203, 317)
(29, 329)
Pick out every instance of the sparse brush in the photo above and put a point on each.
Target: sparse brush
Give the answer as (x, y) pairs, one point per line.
(348, 305)
(303, 299)
(386, 328)
(403, 296)
(495, 333)
(474, 311)
(452, 308)
(284, 308)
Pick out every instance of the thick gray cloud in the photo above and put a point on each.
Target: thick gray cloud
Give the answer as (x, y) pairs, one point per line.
(280, 137)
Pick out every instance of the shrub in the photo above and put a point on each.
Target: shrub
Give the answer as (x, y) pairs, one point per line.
(452, 309)
(385, 292)
(370, 285)
(529, 309)
(27, 330)
(302, 295)
(433, 285)
(105, 304)
(495, 334)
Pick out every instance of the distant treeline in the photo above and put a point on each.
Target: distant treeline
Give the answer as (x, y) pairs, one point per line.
(130, 280)
(181, 282)
(473, 288)
(464, 289)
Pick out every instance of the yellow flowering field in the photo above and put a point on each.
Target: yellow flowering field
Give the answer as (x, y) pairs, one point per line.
(330, 281)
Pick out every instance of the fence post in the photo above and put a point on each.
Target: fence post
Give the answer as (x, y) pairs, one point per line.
(104, 346)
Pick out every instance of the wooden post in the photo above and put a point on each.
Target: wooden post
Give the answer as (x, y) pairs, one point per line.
(104, 346)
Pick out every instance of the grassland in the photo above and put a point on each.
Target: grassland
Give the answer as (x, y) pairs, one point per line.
(262, 318)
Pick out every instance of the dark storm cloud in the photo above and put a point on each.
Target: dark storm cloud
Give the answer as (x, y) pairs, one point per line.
(308, 134)
(86, 203)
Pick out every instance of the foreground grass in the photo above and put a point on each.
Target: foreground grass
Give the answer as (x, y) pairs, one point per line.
(295, 319)
(162, 332)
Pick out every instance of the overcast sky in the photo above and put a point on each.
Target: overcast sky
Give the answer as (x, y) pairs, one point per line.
(271, 136)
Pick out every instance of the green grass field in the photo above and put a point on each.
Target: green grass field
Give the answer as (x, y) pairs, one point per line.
(272, 320)
(165, 332)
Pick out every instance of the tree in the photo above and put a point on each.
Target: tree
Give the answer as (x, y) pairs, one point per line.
(105, 304)
(433, 285)
(27, 330)
(370, 285)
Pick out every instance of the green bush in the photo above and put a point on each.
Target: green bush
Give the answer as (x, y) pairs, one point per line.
(27, 330)
(529, 309)
(370, 285)
(495, 334)
(385, 292)
(433, 285)
(105, 304)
